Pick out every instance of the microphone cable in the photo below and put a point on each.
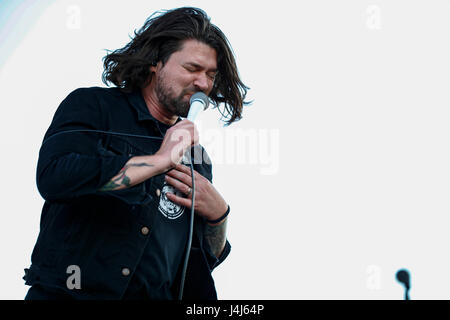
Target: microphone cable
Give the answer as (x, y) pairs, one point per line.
(191, 231)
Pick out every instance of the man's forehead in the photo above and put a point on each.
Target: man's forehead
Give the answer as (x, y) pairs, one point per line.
(198, 54)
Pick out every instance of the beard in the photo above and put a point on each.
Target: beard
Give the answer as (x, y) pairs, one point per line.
(171, 102)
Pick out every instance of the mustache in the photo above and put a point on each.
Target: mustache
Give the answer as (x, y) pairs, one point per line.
(190, 91)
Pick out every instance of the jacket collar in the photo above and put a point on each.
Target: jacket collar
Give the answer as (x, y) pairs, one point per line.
(138, 103)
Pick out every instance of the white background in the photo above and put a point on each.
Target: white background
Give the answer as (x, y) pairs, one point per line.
(349, 127)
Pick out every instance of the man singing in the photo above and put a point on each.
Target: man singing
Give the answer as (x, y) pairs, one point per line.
(117, 192)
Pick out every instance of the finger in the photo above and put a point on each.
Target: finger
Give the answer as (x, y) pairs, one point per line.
(180, 175)
(181, 168)
(185, 169)
(183, 123)
(189, 129)
(183, 187)
(179, 200)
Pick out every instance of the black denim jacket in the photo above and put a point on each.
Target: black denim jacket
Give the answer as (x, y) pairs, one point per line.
(100, 232)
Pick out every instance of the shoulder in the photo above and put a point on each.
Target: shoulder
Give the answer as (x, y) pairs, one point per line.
(94, 92)
(93, 99)
(86, 104)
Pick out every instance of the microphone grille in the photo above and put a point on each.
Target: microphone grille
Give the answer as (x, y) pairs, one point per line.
(201, 97)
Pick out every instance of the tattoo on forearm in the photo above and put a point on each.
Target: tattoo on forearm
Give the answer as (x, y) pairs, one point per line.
(216, 237)
(121, 179)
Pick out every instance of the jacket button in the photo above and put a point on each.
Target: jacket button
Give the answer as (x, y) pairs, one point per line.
(158, 192)
(145, 231)
(125, 272)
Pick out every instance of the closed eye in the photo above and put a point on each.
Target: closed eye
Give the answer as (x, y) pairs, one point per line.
(190, 69)
(193, 67)
(212, 75)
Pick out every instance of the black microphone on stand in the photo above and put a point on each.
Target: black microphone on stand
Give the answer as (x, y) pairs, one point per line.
(403, 277)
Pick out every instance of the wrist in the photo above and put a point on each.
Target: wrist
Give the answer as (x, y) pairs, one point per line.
(163, 163)
(221, 219)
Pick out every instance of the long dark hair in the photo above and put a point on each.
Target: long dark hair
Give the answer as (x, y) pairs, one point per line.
(163, 34)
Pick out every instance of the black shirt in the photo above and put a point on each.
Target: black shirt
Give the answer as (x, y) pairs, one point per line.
(124, 242)
(157, 270)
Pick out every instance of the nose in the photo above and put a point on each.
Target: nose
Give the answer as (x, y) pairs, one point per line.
(202, 82)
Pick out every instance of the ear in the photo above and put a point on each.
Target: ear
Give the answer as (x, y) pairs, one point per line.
(155, 66)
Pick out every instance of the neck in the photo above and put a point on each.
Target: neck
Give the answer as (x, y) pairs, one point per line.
(155, 108)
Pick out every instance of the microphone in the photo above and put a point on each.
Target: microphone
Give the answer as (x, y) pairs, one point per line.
(199, 102)
(403, 277)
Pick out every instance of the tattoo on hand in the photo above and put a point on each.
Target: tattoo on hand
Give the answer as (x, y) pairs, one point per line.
(122, 180)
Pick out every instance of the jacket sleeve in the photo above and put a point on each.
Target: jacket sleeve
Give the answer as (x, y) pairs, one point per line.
(206, 170)
(73, 162)
(214, 261)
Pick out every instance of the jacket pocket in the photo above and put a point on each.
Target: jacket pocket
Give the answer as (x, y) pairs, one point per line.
(112, 146)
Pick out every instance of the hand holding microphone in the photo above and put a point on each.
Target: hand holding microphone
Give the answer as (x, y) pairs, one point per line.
(183, 135)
